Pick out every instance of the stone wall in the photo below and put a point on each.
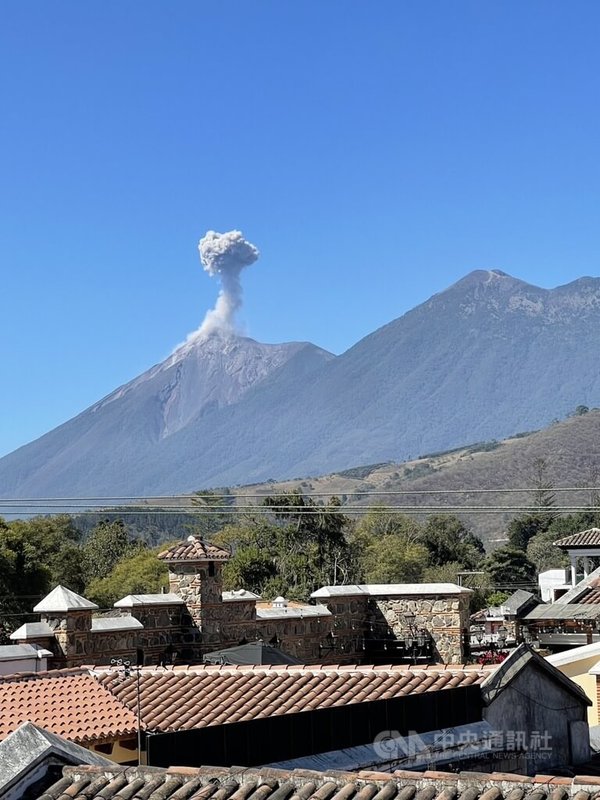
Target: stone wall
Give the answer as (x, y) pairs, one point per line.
(200, 587)
(72, 633)
(185, 632)
(444, 617)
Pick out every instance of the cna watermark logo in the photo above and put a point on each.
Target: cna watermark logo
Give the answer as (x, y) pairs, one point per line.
(392, 746)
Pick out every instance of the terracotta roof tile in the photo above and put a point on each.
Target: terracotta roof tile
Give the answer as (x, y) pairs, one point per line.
(210, 695)
(589, 538)
(66, 702)
(235, 783)
(194, 549)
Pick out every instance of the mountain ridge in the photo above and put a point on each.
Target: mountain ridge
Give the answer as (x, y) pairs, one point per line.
(486, 357)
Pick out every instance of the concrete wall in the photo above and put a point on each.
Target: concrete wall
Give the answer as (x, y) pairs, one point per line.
(578, 672)
(33, 664)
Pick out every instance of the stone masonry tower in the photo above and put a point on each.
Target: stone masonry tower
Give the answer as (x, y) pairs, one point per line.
(195, 575)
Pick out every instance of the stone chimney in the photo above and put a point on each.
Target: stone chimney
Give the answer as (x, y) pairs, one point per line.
(195, 574)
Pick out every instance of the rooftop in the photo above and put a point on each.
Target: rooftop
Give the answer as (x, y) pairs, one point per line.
(32, 630)
(589, 538)
(239, 594)
(517, 601)
(166, 599)
(16, 652)
(552, 611)
(29, 752)
(123, 623)
(297, 611)
(574, 654)
(583, 588)
(194, 549)
(251, 653)
(508, 670)
(386, 589)
(67, 702)
(175, 698)
(62, 599)
(237, 783)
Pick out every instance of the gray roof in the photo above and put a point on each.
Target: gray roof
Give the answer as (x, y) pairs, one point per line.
(508, 670)
(63, 599)
(167, 599)
(239, 594)
(251, 653)
(413, 751)
(33, 630)
(296, 612)
(389, 589)
(14, 652)
(558, 611)
(28, 752)
(517, 601)
(124, 623)
(348, 590)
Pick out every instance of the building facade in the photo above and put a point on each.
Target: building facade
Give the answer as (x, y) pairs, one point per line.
(401, 623)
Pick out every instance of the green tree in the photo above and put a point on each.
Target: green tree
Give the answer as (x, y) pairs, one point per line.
(497, 598)
(580, 411)
(307, 542)
(574, 523)
(139, 573)
(311, 547)
(107, 544)
(448, 540)
(56, 540)
(509, 567)
(525, 527)
(442, 573)
(543, 496)
(542, 553)
(381, 521)
(250, 568)
(24, 577)
(213, 512)
(393, 558)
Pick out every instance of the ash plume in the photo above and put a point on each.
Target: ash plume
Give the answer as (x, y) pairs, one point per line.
(224, 256)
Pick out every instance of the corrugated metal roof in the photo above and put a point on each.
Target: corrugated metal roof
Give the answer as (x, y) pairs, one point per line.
(573, 611)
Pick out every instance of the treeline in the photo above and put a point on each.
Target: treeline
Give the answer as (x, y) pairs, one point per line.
(39, 553)
(290, 545)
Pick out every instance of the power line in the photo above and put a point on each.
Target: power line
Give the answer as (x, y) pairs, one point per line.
(262, 495)
(240, 511)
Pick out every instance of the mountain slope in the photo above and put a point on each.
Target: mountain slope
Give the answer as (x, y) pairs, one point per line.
(103, 450)
(484, 359)
(489, 356)
(451, 480)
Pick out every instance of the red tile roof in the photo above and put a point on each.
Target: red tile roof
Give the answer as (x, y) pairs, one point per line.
(67, 702)
(590, 596)
(589, 538)
(194, 549)
(195, 697)
(236, 783)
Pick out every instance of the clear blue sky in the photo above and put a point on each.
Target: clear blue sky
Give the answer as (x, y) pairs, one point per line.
(374, 152)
